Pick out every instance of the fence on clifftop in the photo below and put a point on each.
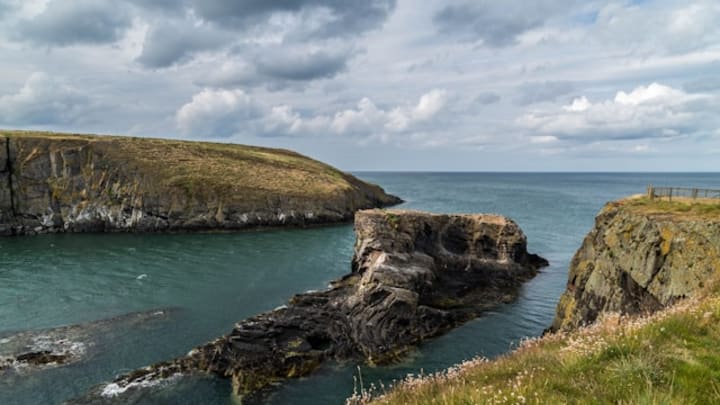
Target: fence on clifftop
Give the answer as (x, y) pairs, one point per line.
(684, 192)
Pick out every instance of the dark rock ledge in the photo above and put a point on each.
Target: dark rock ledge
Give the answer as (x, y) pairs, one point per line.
(414, 275)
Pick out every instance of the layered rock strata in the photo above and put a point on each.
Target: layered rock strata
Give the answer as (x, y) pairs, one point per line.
(81, 183)
(414, 275)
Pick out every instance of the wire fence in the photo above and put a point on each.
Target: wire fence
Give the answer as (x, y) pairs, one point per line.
(682, 192)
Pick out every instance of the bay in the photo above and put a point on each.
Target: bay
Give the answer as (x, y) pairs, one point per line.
(210, 281)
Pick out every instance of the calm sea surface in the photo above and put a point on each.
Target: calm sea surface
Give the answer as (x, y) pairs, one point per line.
(209, 281)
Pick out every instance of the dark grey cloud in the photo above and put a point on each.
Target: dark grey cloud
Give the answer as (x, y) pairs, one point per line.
(495, 23)
(65, 23)
(164, 6)
(303, 66)
(346, 17)
(176, 42)
(486, 98)
(279, 67)
(536, 92)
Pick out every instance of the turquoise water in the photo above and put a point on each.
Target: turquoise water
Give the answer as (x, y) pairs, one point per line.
(209, 281)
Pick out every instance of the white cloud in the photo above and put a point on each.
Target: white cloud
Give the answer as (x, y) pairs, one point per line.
(655, 110)
(43, 100)
(365, 119)
(216, 112)
(232, 112)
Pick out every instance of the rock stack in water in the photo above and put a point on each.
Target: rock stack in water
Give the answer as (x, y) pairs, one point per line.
(414, 275)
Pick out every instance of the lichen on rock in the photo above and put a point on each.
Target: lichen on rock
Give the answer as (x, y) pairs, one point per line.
(641, 256)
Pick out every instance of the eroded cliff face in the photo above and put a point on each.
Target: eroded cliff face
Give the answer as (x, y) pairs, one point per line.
(638, 259)
(78, 183)
(414, 275)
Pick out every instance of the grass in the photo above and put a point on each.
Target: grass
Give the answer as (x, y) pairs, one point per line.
(669, 357)
(679, 207)
(227, 171)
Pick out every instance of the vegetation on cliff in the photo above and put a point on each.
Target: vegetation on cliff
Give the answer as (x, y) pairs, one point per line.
(67, 182)
(666, 358)
(647, 281)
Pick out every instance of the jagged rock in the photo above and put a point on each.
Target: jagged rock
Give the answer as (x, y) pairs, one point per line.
(637, 260)
(414, 275)
(81, 183)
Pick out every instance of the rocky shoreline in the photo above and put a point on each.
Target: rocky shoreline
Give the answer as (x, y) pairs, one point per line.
(52, 183)
(414, 276)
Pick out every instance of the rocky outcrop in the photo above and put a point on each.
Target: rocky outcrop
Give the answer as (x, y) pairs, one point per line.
(78, 183)
(414, 275)
(30, 351)
(640, 257)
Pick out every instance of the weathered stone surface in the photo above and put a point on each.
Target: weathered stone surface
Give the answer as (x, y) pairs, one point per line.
(78, 183)
(414, 275)
(636, 262)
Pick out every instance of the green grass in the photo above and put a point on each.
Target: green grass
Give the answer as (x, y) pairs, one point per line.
(680, 207)
(670, 357)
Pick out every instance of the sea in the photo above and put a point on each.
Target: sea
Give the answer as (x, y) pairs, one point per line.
(203, 283)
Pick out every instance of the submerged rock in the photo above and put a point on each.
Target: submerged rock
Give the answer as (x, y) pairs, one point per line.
(82, 183)
(30, 351)
(641, 256)
(414, 275)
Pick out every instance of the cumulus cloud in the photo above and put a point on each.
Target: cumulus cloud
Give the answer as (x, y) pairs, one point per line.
(43, 100)
(495, 24)
(65, 23)
(218, 113)
(649, 111)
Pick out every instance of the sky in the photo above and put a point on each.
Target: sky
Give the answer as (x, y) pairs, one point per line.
(467, 85)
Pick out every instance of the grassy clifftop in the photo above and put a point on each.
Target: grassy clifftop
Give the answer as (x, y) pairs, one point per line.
(670, 357)
(178, 184)
(643, 257)
(225, 169)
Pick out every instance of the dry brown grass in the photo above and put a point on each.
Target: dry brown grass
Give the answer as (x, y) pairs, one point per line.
(225, 170)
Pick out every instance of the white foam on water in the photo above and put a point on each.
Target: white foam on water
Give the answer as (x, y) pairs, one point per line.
(115, 389)
(141, 277)
(63, 347)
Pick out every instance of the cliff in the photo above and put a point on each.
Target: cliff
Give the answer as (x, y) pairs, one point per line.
(414, 275)
(647, 281)
(77, 183)
(641, 256)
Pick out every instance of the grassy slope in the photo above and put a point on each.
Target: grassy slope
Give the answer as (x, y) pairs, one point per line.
(223, 169)
(670, 357)
(679, 207)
